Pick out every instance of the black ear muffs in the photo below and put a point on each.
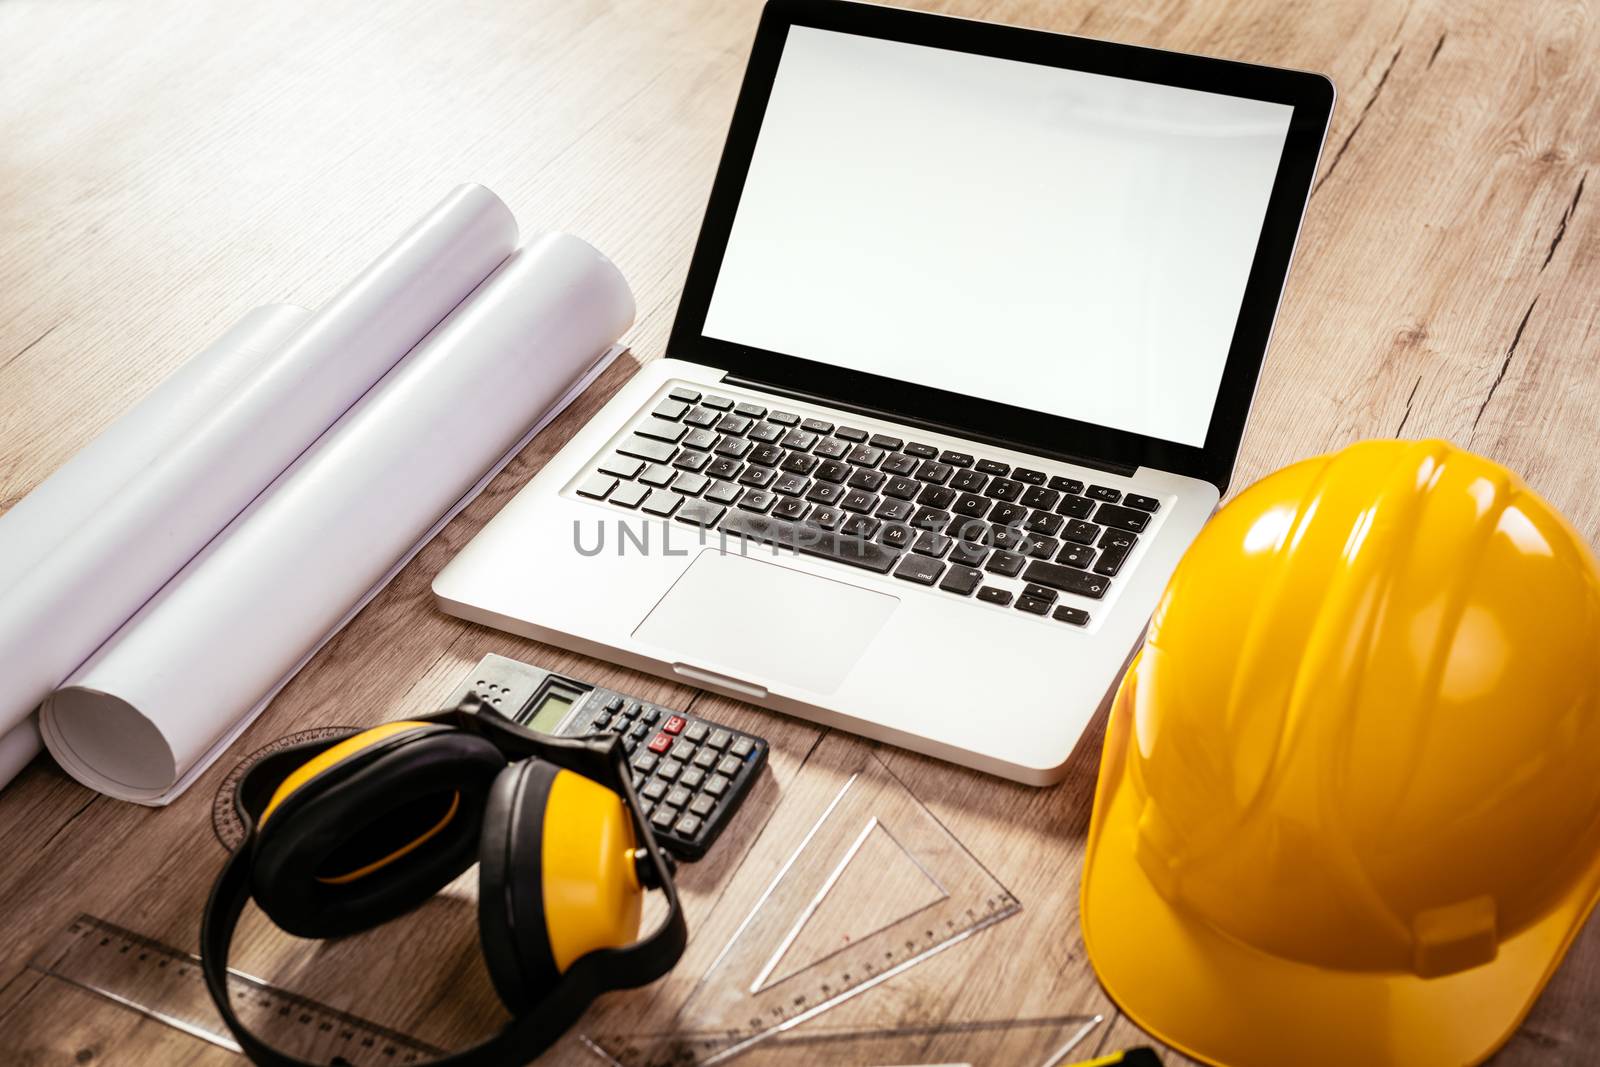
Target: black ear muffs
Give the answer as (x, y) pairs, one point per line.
(375, 832)
(511, 917)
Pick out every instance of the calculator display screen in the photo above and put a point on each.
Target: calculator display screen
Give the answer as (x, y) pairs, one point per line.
(549, 710)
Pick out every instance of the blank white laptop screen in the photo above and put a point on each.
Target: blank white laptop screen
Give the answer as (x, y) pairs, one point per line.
(1059, 241)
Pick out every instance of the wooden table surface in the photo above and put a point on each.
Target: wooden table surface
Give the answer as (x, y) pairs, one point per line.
(165, 166)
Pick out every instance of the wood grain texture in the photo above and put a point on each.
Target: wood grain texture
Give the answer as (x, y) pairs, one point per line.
(166, 166)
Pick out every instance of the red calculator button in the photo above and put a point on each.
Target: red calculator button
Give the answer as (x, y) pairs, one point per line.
(673, 725)
(660, 742)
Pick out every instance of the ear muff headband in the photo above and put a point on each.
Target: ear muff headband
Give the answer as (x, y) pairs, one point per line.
(528, 1034)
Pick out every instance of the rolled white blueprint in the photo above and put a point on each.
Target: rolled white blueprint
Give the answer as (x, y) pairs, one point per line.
(100, 576)
(158, 702)
(81, 488)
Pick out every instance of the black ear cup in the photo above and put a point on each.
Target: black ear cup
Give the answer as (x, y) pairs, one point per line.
(375, 834)
(511, 919)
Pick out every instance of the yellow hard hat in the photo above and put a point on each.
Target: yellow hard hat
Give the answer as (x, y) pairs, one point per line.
(1349, 803)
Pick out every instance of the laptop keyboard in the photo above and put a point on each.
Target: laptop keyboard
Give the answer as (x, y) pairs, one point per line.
(950, 520)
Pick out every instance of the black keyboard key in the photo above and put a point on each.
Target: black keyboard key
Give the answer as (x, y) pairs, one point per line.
(825, 517)
(1033, 605)
(932, 544)
(789, 508)
(1143, 503)
(896, 535)
(724, 468)
(1004, 489)
(597, 486)
(692, 461)
(731, 446)
(757, 500)
(825, 493)
(1121, 518)
(992, 594)
(1066, 579)
(671, 409)
(644, 448)
(791, 485)
(969, 481)
(1023, 474)
(859, 500)
(971, 506)
(832, 448)
(700, 513)
(903, 488)
(833, 471)
(1072, 616)
(892, 510)
(1039, 592)
(1066, 485)
(801, 439)
(812, 541)
(989, 466)
(920, 451)
(754, 411)
(1006, 537)
(661, 502)
(1100, 492)
(765, 432)
(1118, 539)
(936, 496)
(970, 553)
(690, 484)
(1039, 497)
(1041, 546)
(1043, 522)
(1003, 514)
(622, 467)
(1076, 507)
(688, 396)
(783, 418)
(888, 444)
(721, 403)
(702, 417)
(817, 426)
(866, 456)
(851, 434)
(859, 526)
(658, 475)
(799, 463)
(955, 459)
(723, 492)
(919, 569)
(1079, 556)
(934, 471)
(766, 455)
(629, 494)
(758, 477)
(1081, 532)
(961, 580)
(1111, 560)
(898, 463)
(1005, 564)
(930, 519)
(871, 481)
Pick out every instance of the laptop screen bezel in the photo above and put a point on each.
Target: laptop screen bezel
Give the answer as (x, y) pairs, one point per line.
(1310, 95)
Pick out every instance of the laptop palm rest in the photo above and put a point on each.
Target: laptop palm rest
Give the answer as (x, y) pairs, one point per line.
(731, 613)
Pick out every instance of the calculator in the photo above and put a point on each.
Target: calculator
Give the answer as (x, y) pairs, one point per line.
(691, 774)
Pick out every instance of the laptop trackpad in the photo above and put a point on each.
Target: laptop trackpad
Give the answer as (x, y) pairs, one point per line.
(766, 622)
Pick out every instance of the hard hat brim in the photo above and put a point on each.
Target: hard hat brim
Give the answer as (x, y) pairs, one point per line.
(1218, 1000)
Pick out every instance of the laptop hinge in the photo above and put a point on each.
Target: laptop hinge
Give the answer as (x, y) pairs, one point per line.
(1123, 469)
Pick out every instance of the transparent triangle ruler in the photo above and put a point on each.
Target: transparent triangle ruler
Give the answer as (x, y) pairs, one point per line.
(876, 886)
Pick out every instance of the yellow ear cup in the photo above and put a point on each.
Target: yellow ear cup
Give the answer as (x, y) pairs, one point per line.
(592, 896)
(329, 757)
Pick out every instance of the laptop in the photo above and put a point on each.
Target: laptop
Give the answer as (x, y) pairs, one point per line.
(961, 367)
